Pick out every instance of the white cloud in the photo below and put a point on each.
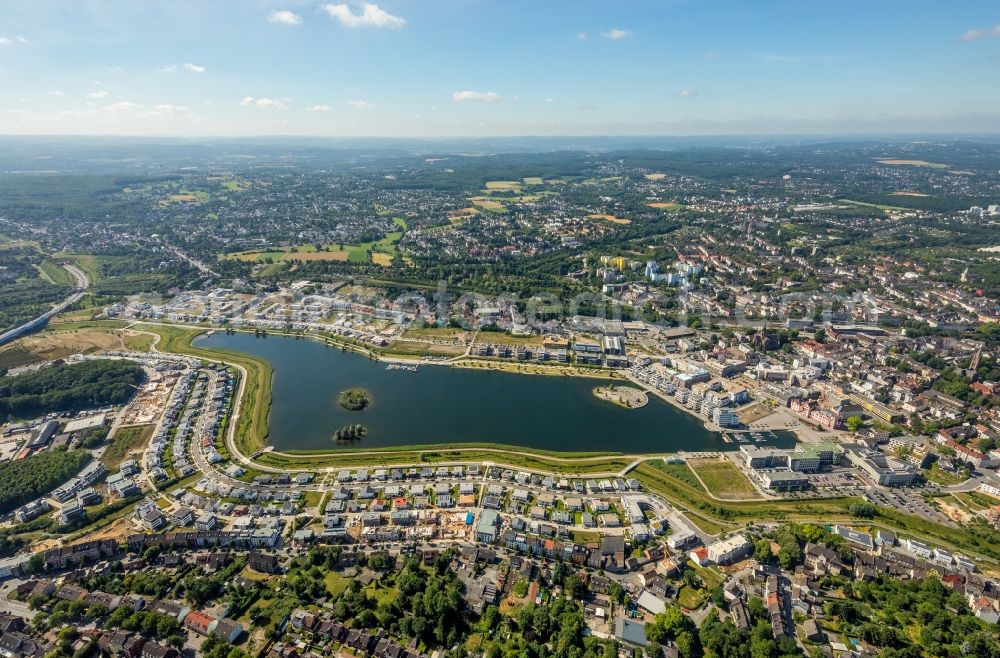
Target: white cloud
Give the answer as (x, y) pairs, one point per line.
(170, 69)
(361, 105)
(616, 34)
(166, 110)
(263, 103)
(550, 100)
(582, 36)
(6, 41)
(371, 16)
(97, 94)
(484, 96)
(318, 108)
(685, 93)
(57, 93)
(284, 17)
(973, 35)
(711, 55)
(122, 107)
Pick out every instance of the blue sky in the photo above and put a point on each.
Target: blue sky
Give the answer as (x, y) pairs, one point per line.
(498, 67)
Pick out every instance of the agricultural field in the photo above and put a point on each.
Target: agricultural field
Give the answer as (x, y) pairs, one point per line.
(186, 196)
(503, 186)
(488, 204)
(665, 205)
(533, 180)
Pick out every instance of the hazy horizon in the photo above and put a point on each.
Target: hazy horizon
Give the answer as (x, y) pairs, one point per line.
(490, 69)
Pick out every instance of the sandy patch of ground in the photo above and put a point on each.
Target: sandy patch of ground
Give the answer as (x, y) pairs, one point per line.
(609, 218)
(655, 176)
(754, 412)
(119, 529)
(45, 545)
(909, 194)
(911, 163)
(58, 345)
(954, 512)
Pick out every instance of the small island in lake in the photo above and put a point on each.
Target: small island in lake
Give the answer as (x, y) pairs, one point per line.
(355, 399)
(624, 396)
(353, 432)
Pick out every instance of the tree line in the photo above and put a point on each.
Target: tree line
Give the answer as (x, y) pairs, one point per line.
(68, 387)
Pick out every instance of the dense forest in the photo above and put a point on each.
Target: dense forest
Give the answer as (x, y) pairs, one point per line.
(23, 480)
(68, 387)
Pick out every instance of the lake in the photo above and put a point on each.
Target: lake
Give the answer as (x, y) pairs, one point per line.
(440, 404)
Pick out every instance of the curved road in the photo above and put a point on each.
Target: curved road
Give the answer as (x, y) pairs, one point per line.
(82, 283)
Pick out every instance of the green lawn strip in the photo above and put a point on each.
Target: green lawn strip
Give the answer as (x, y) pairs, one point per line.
(723, 479)
(500, 454)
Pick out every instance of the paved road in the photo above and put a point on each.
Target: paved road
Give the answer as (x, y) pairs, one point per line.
(10, 606)
(82, 284)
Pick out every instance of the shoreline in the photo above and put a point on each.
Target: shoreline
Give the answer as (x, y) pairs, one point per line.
(254, 446)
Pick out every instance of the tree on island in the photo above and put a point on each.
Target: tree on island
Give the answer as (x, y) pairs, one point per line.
(353, 432)
(355, 399)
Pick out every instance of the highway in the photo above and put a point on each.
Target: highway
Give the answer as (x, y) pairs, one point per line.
(81, 287)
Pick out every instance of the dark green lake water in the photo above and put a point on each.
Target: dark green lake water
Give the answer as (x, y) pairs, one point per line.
(439, 404)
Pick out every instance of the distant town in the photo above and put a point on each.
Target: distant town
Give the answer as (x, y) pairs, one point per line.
(830, 326)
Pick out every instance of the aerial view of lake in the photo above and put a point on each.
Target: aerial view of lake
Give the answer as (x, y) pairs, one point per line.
(439, 404)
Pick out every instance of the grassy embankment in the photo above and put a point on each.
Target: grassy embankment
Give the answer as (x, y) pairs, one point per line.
(56, 274)
(555, 462)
